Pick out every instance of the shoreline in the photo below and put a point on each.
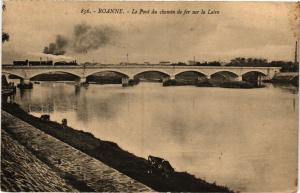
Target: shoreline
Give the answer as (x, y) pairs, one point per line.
(112, 155)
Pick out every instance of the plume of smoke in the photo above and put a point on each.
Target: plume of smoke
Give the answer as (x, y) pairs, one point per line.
(58, 47)
(84, 38)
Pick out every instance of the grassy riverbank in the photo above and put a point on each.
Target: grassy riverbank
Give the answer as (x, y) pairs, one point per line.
(111, 154)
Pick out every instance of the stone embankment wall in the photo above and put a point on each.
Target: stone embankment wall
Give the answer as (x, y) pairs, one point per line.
(22, 171)
(67, 167)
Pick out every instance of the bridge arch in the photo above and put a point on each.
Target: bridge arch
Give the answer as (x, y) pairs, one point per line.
(190, 74)
(253, 76)
(158, 72)
(224, 75)
(192, 70)
(258, 72)
(34, 75)
(13, 73)
(106, 77)
(104, 71)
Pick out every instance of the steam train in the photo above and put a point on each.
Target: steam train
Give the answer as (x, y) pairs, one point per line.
(44, 63)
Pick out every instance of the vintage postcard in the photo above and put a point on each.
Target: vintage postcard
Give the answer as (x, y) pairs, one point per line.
(111, 96)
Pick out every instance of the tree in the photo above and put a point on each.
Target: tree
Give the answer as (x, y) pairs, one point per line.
(248, 62)
(214, 63)
(5, 36)
(237, 62)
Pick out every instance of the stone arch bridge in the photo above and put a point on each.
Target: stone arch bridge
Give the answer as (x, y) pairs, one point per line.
(130, 71)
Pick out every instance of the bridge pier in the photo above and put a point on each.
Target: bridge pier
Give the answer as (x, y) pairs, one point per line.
(207, 76)
(125, 81)
(82, 80)
(25, 81)
(261, 79)
(25, 84)
(129, 81)
(268, 77)
(164, 79)
(239, 78)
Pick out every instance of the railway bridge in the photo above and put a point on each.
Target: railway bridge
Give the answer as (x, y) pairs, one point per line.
(131, 71)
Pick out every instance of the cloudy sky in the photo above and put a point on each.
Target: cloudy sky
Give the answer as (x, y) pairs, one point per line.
(263, 30)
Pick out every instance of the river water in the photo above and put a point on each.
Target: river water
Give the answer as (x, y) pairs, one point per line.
(245, 139)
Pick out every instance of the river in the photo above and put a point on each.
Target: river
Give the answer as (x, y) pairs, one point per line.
(245, 139)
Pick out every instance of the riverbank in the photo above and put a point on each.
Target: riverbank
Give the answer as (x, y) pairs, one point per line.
(286, 78)
(75, 168)
(112, 155)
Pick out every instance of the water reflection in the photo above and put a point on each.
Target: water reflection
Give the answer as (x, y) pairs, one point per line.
(286, 87)
(246, 139)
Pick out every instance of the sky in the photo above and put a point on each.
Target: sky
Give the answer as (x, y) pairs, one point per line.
(241, 29)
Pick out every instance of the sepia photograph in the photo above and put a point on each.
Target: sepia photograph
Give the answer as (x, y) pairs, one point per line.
(149, 96)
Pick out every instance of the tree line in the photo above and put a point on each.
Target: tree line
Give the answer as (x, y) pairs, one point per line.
(287, 66)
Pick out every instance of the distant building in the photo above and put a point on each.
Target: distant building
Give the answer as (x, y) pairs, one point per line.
(165, 63)
(192, 62)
